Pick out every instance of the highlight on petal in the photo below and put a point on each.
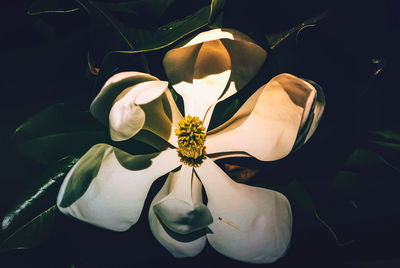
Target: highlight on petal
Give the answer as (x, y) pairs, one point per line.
(177, 216)
(101, 105)
(216, 34)
(250, 224)
(267, 125)
(211, 67)
(107, 187)
(199, 74)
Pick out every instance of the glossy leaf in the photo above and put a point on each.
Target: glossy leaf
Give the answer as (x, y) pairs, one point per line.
(35, 199)
(56, 119)
(53, 6)
(57, 132)
(28, 222)
(126, 28)
(276, 40)
(33, 232)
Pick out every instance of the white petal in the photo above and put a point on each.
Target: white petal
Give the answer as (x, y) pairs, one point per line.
(107, 187)
(101, 105)
(176, 206)
(250, 224)
(211, 67)
(172, 111)
(266, 126)
(182, 209)
(199, 74)
(246, 60)
(141, 107)
(220, 33)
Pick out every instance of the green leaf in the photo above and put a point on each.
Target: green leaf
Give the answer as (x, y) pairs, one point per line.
(33, 232)
(125, 27)
(365, 161)
(284, 45)
(53, 6)
(52, 147)
(276, 40)
(368, 180)
(56, 119)
(35, 197)
(298, 194)
(57, 132)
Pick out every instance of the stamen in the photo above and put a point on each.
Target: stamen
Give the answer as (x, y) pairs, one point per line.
(191, 137)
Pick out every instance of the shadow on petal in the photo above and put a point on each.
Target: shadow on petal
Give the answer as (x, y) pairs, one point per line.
(114, 185)
(101, 105)
(269, 120)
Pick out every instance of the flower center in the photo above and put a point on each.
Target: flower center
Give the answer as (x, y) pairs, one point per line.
(191, 137)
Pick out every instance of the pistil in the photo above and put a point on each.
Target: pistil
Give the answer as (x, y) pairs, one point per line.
(191, 137)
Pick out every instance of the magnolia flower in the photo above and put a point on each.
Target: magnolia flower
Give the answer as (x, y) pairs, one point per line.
(107, 187)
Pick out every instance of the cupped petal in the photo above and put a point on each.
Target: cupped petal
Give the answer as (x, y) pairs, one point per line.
(251, 224)
(103, 102)
(267, 125)
(107, 187)
(182, 209)
(143, 106)
(177, 216)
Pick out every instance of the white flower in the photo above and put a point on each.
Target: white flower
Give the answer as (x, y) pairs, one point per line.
(108, 187)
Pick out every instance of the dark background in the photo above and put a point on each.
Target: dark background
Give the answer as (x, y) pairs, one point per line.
(352, 53)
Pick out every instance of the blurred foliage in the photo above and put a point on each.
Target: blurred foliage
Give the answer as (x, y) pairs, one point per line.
(342, 184)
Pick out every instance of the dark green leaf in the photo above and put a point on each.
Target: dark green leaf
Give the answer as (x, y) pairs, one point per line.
(51, 147)
(388, 135)
(57, 132)
(364, 161)
(133, 26)
(35, 198)
(33, 232)
(298, 194)
(277, 39)
(53, 6)
(56, 119)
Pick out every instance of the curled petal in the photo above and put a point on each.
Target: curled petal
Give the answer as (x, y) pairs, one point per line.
(107, 187)
(312, 116)
(250, 224)
(103, 102)
(140, 107)
(177, 216)
(267, 125)
(174, 115)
